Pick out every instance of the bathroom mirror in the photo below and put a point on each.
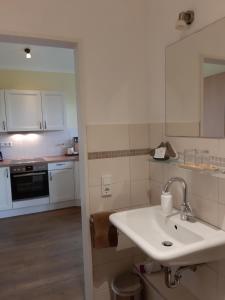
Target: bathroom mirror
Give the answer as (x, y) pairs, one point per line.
(195, 84)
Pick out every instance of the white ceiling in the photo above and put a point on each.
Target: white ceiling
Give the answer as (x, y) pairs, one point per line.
(44, 59)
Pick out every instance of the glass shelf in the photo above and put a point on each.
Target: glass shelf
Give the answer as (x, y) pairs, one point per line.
(220, 173)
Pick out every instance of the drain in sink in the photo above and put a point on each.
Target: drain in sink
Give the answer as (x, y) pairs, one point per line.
(167, 243)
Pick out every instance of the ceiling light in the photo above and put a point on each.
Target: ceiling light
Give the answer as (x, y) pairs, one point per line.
(27, 51)
(185, 19)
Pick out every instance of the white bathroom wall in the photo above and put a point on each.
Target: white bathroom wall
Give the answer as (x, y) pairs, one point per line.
(161, 24)
(205, 192)
(113, 42)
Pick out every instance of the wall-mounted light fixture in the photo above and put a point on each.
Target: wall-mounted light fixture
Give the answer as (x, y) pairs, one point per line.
(28, 52)
(185, 19)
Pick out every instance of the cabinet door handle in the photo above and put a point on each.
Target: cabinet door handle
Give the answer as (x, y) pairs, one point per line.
(4, 126)
(7, 173)
(45, 125)
(50, 176)
(40, 125)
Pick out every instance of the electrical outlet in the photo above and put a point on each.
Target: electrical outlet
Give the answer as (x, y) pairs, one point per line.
(6, 144)
(106, 185)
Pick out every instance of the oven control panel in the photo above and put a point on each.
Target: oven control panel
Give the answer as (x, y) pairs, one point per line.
(28, 168)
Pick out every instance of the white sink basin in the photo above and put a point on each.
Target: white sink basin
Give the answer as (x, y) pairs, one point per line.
(192, 243)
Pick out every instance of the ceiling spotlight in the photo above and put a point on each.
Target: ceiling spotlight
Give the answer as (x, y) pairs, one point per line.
(185, 19)
(27, 51)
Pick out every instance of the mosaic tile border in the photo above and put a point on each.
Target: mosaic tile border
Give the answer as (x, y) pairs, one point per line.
(118, 153)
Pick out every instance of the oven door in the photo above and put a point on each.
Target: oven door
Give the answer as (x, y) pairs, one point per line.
(29, 185)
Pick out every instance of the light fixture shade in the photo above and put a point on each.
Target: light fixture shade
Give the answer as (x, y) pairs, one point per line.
(185, 19)
(181, 25)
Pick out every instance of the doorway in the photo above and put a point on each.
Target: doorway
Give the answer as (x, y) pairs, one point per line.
(41, 244)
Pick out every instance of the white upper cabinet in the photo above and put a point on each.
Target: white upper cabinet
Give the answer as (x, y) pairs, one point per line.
(23, 110)
(5, 188)
(53, 110)
(3, 125)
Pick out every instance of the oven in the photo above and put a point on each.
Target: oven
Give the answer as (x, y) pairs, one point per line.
(29, 182)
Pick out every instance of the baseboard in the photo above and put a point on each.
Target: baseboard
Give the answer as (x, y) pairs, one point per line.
(36, 209)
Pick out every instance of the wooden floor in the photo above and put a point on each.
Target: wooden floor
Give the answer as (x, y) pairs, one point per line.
(41, 256)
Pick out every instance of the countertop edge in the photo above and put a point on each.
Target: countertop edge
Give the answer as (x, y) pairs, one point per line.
(46, 159)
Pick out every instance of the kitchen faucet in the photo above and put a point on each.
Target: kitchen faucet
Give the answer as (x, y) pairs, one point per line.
(185, 210)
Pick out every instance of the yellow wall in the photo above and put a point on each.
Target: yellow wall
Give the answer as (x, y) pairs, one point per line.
(27, 80)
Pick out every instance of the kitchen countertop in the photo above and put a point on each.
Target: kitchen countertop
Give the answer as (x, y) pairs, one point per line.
(59, 158)
(47, 159)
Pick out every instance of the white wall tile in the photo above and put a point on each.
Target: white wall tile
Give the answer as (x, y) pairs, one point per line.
(221, 288)
(221, 183)
(205, 186)
(139, 167)
(205, 209)
(175, 171)
(221, 217)
(180, 143)
(202, 283)
(155, 192)
(156, 134)
(118, 167)
(102, 293)
(219, 267)
(107, 255)
(120, 197)
(139, 136)
(140, 192)
(107, 137)
(221, 148)
(157, 172)
(104, 274)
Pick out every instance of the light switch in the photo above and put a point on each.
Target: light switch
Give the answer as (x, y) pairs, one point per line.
(106, 185)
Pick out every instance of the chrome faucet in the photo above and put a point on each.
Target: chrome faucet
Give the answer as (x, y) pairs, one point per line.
(185, 210)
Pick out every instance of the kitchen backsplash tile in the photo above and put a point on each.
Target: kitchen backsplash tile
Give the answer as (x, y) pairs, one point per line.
(28, 145)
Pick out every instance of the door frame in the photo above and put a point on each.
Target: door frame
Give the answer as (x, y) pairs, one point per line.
(77, 47)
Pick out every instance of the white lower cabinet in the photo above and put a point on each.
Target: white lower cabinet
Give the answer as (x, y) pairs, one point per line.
(5, 189)
(61, 182)
(77, 181)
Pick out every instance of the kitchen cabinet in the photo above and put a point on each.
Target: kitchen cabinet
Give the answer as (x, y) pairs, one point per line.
(27, 110)
(77, 180)
(61, 182)
(53, 110)
(23, 110)
(3, 127)
(5, 188)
